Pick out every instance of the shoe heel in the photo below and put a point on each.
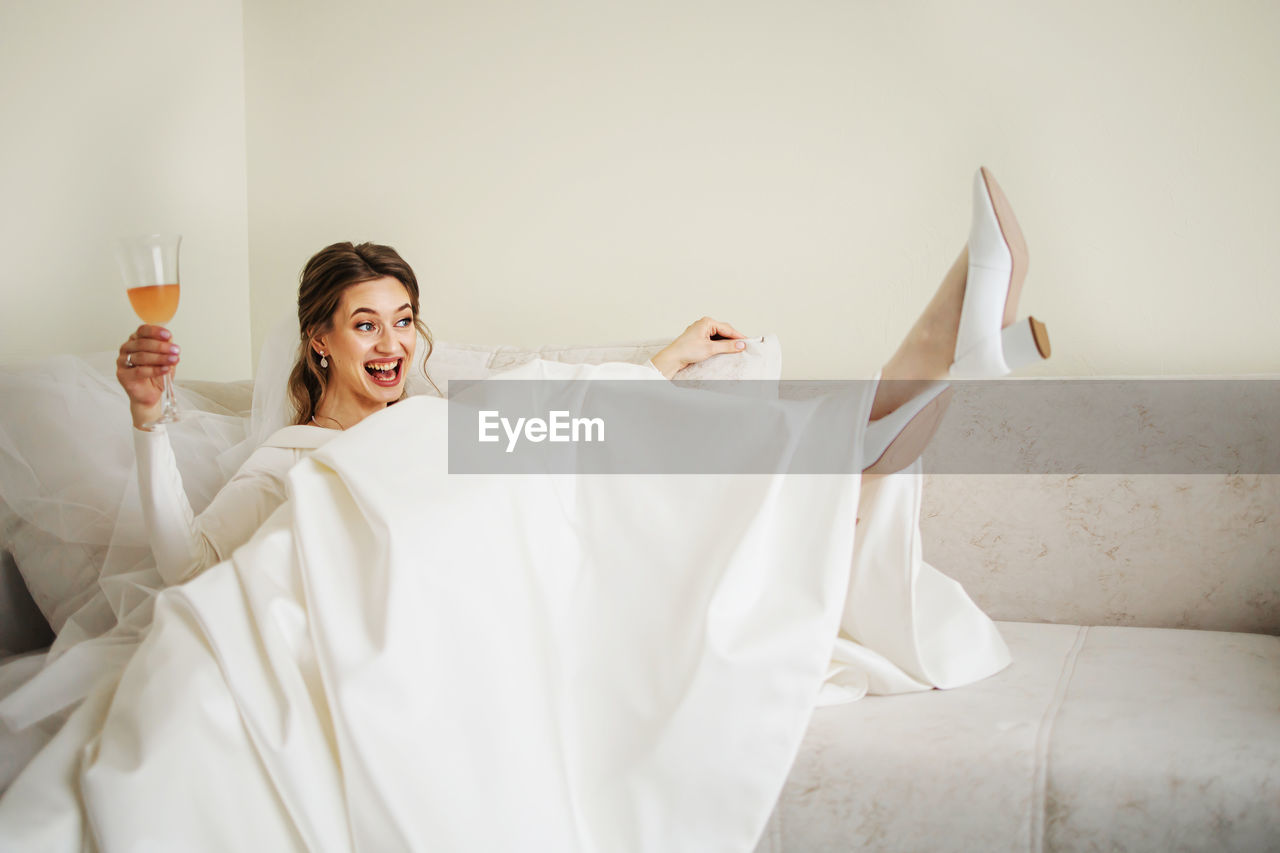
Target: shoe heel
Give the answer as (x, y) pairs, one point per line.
(1023, 343)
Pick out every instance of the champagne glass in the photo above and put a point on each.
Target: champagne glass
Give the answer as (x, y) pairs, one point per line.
(149, 266)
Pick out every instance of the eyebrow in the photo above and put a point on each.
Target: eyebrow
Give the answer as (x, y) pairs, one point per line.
(375, 313)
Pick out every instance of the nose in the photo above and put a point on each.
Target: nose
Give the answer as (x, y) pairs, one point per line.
(386, 341)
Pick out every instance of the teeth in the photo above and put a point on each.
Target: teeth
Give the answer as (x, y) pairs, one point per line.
(382, 367)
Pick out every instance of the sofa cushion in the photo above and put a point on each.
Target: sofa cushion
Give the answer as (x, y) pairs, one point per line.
(1168, 740)
(1103, 738)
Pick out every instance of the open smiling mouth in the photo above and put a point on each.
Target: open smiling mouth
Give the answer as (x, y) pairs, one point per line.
(384, 372)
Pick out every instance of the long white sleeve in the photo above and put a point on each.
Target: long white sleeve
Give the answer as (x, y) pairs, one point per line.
(184, 544)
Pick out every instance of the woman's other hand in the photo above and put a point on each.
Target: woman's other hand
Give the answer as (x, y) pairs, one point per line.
(695, 345)
(144, 360)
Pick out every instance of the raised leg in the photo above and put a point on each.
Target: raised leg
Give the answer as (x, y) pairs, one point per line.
(973, 310)
(925, 354)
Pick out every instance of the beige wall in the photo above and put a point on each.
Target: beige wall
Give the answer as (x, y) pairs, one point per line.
(121, 118)
(584, 172)
(595, 171)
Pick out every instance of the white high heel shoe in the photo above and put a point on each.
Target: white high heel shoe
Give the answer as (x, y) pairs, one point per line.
(989, 343)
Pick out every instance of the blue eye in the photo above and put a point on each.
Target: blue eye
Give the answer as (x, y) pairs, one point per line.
(405, 321)
(365, 326)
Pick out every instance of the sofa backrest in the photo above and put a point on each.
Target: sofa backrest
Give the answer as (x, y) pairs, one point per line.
(1176, 551)
(1194, 546)
(1149, 550)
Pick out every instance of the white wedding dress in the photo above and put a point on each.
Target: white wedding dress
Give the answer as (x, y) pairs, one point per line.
(402, 658)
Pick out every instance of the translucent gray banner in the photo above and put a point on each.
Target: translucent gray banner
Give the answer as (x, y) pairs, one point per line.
(1057, 426)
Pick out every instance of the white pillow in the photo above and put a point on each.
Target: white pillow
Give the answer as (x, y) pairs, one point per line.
(68, 482)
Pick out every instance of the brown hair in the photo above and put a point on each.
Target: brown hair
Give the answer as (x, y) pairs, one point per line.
(324, 279)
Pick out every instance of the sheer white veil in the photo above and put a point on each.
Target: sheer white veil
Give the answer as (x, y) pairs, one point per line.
(71, 517)
(70, 513)
(272, 409)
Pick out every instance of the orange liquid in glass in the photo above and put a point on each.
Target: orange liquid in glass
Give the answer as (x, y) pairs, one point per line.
(155, 303)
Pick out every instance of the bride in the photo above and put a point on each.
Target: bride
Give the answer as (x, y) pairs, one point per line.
(358, 309)
(358, 312)
(359, 650)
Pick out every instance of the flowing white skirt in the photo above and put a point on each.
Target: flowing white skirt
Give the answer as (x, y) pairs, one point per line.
(405, 659)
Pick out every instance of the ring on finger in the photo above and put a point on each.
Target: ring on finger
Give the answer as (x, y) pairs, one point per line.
(128, 360)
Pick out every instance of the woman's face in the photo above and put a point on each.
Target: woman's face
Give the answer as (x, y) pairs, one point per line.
(371, 343)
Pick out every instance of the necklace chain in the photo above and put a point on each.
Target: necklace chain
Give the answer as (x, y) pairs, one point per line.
(327, 418)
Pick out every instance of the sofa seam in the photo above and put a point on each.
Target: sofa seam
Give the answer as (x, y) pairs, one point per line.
(1039, 784)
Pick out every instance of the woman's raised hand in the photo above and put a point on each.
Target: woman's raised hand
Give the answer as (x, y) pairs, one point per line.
(144, 359)
(695, 345)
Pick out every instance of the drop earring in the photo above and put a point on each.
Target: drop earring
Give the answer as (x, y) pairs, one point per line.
(324, 361)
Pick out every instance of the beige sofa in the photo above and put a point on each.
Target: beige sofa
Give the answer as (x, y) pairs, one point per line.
(1142, 709)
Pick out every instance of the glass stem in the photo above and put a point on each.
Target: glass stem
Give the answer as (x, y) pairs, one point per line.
(170, 408)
